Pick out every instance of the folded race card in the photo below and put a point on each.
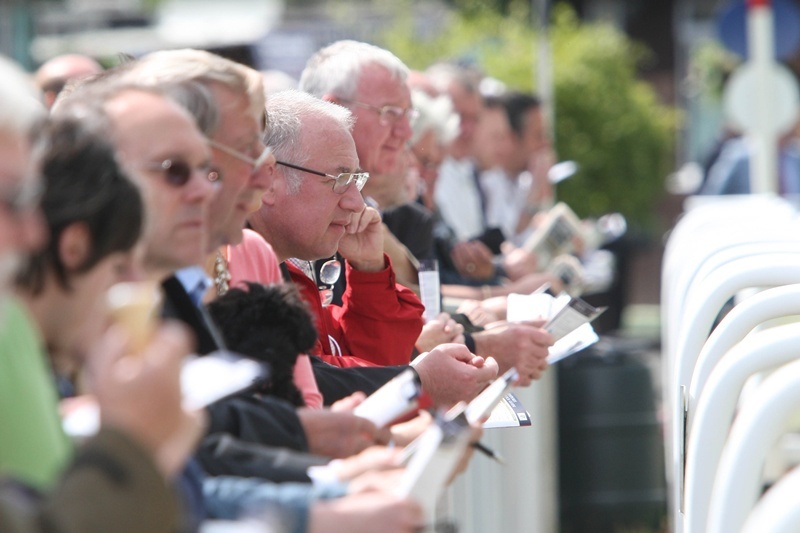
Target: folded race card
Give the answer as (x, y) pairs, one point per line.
(432, 458)
(567, 318)
(484, 403)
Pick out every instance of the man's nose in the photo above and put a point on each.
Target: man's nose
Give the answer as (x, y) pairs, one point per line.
(200, 188)
(263, 175)
(352, 200)
(402, 128)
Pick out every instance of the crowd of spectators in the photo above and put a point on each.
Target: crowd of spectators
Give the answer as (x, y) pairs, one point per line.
(284, 224)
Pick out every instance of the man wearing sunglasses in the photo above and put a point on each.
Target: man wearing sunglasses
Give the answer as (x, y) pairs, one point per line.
(164, 152)
(117, 480)
(235, 139)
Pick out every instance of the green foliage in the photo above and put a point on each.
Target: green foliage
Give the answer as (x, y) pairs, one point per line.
(606, 119)
(710, 65)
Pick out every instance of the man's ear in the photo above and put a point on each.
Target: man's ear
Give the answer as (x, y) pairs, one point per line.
(74, 245)
(270, 195)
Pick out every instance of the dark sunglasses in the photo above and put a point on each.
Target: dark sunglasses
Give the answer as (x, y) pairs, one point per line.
(177, 173)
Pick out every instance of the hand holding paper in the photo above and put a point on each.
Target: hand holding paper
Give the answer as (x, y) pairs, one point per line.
(568, 320)
(392, 400)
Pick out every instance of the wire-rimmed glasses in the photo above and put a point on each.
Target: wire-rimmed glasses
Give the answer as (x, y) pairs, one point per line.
(340, 183)
(389, 114)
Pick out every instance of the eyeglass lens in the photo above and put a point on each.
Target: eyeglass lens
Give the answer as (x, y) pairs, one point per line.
(330, 271)
(329, 274)
(177, 173)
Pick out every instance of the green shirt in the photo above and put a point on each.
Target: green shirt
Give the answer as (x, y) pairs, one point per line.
(33, 447)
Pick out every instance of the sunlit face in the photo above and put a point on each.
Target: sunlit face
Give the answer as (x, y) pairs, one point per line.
(21, 227)
(492, 139)
(468, 105)
(241, 187)
(86, 314)
(534, 136)
(428, 156)
(380, 143)
(530, 141)
(308, 224)
(148, 130)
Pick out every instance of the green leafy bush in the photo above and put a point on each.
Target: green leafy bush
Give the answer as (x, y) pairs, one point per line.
(606, 119)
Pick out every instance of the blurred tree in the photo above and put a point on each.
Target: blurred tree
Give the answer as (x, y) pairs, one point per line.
(476, 8)
(606, 119)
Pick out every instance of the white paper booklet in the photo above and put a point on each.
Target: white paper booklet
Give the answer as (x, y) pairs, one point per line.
(394, 399)
(491, 396)
(568, 320)
(508, 413)
(433, 458)
(556, 234)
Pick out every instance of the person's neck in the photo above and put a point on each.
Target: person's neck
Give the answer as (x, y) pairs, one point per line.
(385, 195)
(257, 225)
(511, 173)
(459, 153)
(157, 273)
(427, 198)
(47, 311)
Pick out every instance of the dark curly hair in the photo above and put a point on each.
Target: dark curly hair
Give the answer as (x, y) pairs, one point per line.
(83, 183)
(268, 323)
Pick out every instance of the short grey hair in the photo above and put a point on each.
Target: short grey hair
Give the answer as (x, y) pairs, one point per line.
(289, 112)
(444, 75)
(22, 109)
(337, 68)
(190, 94)
(169, 67)
(436, 113)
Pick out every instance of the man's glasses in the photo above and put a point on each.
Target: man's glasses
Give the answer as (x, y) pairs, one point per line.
(341, 182)
(389, 114)
(177, 173)
(256, 163)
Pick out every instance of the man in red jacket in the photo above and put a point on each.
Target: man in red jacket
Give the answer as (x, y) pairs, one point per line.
(314, 208)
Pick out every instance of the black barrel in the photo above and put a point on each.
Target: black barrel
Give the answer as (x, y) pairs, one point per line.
(611, 457)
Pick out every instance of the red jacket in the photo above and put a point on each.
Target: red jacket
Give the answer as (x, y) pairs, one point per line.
(377, 325)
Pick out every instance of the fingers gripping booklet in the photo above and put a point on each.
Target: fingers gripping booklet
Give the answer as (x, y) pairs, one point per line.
(568, 320)
(394, 399)
(432, 458)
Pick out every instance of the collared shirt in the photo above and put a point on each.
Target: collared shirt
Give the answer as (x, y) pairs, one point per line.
(195, 281)
(506, 200)
(458, 198)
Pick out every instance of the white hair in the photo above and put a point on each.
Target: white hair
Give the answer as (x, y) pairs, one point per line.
(337, 68)
(171, 67)
(290, 111)
(436, 114)
(21, 106)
